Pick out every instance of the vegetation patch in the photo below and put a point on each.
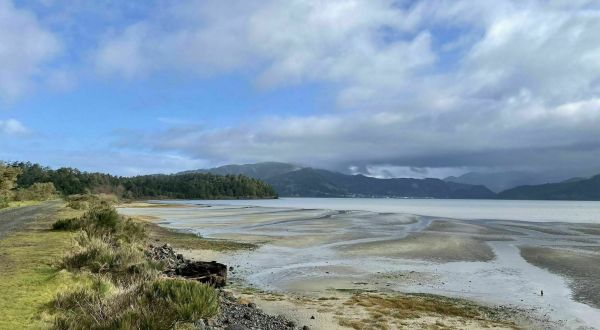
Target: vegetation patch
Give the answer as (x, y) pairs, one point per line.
(385, 310)
(157, 304)
(190, 241)
(128, 292)
(29, 281)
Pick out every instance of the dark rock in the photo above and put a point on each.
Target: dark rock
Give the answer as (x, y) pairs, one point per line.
(312, 317)
(306, 327)
(234, 313)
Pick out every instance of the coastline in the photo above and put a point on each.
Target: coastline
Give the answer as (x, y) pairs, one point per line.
(327, 298)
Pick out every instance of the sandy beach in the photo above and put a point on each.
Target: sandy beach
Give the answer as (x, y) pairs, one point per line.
(339, 266)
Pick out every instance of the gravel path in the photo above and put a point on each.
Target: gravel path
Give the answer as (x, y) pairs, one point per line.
(15, 218)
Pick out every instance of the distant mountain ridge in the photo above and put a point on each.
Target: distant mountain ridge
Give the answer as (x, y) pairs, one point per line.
(295, 181)
(500, 181)
(258, 171)
(573, 189)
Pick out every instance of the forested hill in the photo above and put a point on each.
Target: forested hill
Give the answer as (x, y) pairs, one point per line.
(70, 181)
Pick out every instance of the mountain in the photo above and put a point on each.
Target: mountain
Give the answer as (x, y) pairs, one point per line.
(290, 180)
(257, 171)
(585, 189)
(309, 182)
(500, 181)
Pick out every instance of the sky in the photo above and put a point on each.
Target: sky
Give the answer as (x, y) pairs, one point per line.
(386, 88)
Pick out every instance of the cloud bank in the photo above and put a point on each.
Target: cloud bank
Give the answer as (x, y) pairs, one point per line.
(423, 84)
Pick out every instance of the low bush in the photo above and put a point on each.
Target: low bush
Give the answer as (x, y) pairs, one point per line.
(105, 221)
(184, 300)
(160, 304)
(37, 192)
(125, 264)
(67, 224)
(88, 201)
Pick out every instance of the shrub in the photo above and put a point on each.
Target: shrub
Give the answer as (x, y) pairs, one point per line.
(124, 264)
(184, 300)
(105, 221)
(67, 224)
(101, 221)
(78, 205)
(38, 192)
(160, 304)
(88, 201)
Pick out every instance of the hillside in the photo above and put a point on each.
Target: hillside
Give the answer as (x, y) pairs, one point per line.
(290, 180)
(257, 171)
(70, 181)
(309, 182)
(585, 189)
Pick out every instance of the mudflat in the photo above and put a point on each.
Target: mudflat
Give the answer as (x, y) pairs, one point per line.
(313, 254)
(580, 267)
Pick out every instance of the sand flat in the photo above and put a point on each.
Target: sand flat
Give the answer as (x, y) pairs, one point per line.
(310, 252)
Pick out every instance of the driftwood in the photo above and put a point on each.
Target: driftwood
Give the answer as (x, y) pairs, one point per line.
(212, 273)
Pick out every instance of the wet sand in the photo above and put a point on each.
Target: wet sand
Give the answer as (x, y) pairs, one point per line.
(581, 268)
(310, 253)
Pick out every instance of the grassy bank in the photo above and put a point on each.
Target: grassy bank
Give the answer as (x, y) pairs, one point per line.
(29, 281)
(127, 289)
(87, 269)
(189, 241)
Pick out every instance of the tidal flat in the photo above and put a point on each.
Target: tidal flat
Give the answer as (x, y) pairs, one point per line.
(319, 253)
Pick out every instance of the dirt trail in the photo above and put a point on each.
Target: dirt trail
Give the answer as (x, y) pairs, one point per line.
(15, 218)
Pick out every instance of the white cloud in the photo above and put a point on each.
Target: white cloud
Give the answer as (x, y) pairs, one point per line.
(25, 46)
(12, 127)
(434, 84)
(341, 41)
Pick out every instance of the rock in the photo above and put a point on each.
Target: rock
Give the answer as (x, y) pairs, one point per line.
(291, 324)
(306, 327)
(232, 312)
(312, 317)
(199, 325)
(237, 327)
(252, 305)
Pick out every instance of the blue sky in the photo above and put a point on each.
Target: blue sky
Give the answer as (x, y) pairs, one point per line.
(381, 87)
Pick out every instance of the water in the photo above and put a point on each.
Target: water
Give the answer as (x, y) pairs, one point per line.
(468, 209)
(315, 244)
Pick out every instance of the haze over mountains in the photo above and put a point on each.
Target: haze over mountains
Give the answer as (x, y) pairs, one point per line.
(296, 181)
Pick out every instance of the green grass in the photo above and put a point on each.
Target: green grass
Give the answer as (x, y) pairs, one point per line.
(154, 305)
(28, 280)
(16, 204)
(189, 241)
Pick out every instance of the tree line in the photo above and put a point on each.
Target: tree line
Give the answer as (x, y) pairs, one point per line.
(69, 181)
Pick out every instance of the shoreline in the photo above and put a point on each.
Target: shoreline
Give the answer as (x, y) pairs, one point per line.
(244, 277)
